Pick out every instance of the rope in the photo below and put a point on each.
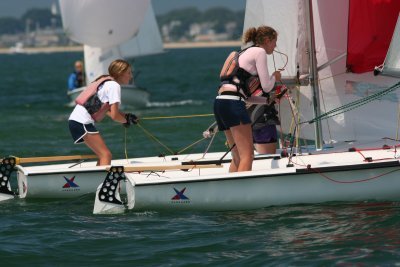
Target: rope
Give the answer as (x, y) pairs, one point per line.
(177, 117)
(189, 146)
(209, 145)
(398, 121)
(125, 145)
(354, 104)
(323, 102)
(152, 137)
(155, 139)
(286, 58)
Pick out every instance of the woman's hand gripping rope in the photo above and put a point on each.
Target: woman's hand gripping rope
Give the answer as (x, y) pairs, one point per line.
(130, 119)
(274, 97)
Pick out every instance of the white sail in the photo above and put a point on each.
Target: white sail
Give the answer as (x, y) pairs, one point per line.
(102, 23)
(148, 41)
(284, 16)
(97, 60)
(337, 87)
(392, 61)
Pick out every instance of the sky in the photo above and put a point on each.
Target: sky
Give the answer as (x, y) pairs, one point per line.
(16, 8)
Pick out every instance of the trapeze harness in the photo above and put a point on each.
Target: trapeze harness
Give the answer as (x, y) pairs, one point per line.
(247, 85)
(90, 100)
(232, 73)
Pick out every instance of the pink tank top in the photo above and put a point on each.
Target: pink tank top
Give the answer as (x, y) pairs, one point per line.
(254, 61)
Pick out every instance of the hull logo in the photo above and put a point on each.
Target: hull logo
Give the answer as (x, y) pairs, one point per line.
(180, 197)
(70, 185)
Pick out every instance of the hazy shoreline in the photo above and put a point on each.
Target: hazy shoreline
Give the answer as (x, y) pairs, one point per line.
(57, 49)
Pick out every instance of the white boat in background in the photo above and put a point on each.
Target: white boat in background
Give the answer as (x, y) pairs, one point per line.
(18, 48)
(355, 160)
(145, 40)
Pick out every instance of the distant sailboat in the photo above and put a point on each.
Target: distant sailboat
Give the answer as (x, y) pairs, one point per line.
(141, 38)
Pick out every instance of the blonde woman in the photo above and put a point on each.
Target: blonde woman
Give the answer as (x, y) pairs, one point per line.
(106, 99)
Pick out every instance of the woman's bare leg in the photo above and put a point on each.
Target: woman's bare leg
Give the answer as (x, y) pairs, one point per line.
(96, 143)
(242, 136)
(235, 155)
(269, 148)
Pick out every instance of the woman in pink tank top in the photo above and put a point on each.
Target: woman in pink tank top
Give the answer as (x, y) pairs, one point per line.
(230, 105)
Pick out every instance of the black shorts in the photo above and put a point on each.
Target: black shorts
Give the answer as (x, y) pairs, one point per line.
(79, 130)
(230, 111)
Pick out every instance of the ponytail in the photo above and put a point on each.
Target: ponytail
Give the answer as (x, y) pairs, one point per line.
(257, 36)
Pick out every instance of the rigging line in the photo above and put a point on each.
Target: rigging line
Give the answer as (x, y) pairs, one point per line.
(398, 121)
(125, 145)
(281, 138)
(332, 76)
(155, 139)
(286, 58)
(398, 125)
(287, 97)
(189, 146)
(177, 117)
(354, 104)
(295, 115)
(209, 145)
(323, 101)
(317, 171)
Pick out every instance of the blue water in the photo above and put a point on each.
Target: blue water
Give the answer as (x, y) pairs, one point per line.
(181, 82)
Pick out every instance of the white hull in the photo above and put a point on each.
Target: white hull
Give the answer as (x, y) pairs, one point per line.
(132, 96)
(270, 183)
(341, 176)
(69, 181)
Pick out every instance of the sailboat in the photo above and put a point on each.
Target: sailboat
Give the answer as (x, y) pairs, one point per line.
(350, 114)
(351, 163)
(143, 39)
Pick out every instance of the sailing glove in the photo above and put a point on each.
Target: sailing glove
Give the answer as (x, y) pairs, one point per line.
(130, 119)
(213, 129)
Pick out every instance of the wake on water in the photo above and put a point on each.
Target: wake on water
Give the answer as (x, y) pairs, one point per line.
(174, 103)
(157, 104)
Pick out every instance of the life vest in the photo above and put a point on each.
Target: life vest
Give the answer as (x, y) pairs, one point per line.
(232, 73)
(91, 101)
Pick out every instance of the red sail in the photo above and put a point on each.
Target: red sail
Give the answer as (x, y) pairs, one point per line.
(371, 26)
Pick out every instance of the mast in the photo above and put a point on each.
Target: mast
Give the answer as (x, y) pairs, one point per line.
(313, 74)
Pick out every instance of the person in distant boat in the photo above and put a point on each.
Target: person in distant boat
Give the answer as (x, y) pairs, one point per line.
(235, 91)
(77, 78)
(101, 97)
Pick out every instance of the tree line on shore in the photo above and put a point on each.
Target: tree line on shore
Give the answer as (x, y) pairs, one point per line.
(217, 19)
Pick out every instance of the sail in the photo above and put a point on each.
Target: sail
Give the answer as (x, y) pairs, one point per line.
(371, 24)
(148, 40)
(287, 18)
(102, 23)
(97, 60)
(391, 66)
(338, 87)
